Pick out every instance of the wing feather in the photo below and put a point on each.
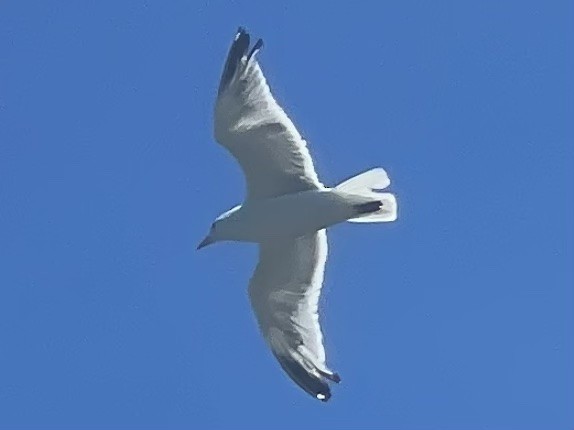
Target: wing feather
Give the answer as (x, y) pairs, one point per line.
(255, 129)
(284, 293)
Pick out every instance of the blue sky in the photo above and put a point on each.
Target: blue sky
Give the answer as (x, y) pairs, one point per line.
(458, 316)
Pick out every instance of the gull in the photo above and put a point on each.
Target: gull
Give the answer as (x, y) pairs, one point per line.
(286, 212)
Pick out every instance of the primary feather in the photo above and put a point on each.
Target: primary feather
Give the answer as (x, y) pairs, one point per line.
(253, 127)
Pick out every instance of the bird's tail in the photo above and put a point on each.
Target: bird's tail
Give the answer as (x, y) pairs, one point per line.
(371, 205)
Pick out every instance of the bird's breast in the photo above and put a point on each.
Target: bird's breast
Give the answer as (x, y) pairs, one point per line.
(291, 215)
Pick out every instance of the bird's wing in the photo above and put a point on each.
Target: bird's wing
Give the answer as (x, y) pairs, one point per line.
(284, 293)
(253, 127)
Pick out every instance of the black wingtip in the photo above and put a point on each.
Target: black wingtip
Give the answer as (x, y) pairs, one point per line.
(238, 49)
(241, 41)
(331, 376)
(241, 33)
(315, 385)
(257, 47)
(243, 38)
(335, 378)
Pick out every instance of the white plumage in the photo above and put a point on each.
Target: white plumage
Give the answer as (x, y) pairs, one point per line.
(253, 127)
(286, 211)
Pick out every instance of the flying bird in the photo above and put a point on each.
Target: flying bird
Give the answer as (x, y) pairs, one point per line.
(286, 211)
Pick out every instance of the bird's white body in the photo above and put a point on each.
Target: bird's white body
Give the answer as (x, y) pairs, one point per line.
(289, 215)
(286, 211)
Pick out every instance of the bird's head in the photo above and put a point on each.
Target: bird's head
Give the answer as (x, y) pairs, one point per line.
(221, 229)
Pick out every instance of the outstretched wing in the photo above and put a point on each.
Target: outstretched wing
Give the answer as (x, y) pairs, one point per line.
(253, 127)
(284, 293)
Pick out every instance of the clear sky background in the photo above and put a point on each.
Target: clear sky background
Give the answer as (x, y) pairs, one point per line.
(460, 315)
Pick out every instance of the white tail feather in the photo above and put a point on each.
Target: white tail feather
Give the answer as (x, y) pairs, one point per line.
(374, 179)
(367, 184)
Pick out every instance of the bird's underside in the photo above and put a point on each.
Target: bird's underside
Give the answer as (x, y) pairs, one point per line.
(285, 288)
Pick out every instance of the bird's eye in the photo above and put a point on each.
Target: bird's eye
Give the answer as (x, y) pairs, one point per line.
(213, 226)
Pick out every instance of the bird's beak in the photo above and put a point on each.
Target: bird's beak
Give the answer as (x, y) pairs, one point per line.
(207, 241)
